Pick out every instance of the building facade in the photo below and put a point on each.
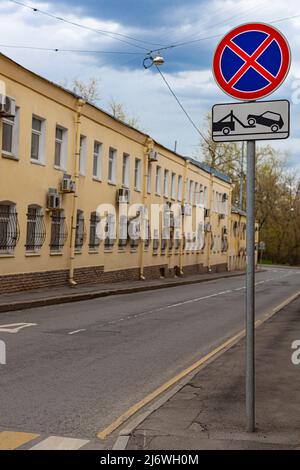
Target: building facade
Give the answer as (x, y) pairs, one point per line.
(62, 158)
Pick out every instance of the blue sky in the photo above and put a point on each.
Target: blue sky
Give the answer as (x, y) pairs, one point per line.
(122, 77)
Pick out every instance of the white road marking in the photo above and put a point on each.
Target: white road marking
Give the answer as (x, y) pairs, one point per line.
(60, 443)
(15, 327)
(76, 331)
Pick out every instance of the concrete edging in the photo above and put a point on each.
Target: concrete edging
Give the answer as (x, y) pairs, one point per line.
(22, 305)
(125, 434)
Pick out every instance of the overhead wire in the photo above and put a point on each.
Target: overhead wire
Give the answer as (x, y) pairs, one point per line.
(111, 34)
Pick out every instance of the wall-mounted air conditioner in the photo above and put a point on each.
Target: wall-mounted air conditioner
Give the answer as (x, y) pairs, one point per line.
(53, 199)
(7, 106)
(153, 156)
(67, 184)
(123, 196)
(187, 209)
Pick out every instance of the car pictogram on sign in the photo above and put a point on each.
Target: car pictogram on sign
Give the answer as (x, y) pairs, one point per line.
(268, 119)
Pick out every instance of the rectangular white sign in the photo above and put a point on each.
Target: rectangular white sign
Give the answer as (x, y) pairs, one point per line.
(257, 120)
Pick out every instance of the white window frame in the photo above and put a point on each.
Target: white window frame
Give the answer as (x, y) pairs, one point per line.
(158, 181)
(149, 178)
(166, 183)
(82, 155)
(179, 191)
(15, 124)
(112, 152)
(126, 170)
(173, 186)
(41, 134)
(97, 156)
(137, 174)
(63, 149)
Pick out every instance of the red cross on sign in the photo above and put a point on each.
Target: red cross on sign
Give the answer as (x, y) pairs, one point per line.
(251, 61)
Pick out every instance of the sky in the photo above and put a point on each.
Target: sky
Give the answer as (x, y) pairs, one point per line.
(140, 26)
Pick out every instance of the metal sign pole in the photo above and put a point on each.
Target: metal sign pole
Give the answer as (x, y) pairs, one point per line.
(250, 289)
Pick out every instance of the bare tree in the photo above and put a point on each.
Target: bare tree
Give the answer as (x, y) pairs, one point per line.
(118, 111)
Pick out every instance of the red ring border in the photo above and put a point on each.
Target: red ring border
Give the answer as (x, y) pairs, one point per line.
(284, 69)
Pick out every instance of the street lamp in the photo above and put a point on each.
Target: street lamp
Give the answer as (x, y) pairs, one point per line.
(157, 60)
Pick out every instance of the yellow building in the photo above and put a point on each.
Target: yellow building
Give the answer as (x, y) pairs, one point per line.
(62, 158)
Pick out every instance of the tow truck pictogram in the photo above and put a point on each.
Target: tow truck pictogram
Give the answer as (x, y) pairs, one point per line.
(227, 124)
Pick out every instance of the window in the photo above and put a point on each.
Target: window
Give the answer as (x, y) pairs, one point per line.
(123, 231)
(205, 196)
(173, 186)
(201, 195)
(9, 228)
(94, 241)
(179, 197)
(137, 174)
(110, 232)
(166, 183)
(80, 231)
(149, 178)
(191, 192)
(158, 181)
(60, 148)
(36, 232)
(59, 232)
(187, 190)
(82, 155)
(112, 162)
(37, 140)
(196, 194)
(125, 170)
(97, 161)
(10, 127)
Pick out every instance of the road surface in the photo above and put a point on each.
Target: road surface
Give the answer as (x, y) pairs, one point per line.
(73, 369)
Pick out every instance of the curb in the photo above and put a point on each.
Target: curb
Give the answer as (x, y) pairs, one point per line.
(22, 305)
(125, 434)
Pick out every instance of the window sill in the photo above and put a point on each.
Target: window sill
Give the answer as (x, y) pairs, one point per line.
(97, 180)
(108, 250)
(56, 253)
(7, 255)
(10, 156)
(93, 252)
(37, 162)
(111, 183)
(78, 252)
(32, 254)
(59, 168)
(137, 190)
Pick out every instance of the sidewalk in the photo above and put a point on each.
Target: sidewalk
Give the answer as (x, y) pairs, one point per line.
(65, 294)
(209, 412)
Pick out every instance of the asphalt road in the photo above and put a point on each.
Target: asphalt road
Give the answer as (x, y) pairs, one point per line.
(79, 366)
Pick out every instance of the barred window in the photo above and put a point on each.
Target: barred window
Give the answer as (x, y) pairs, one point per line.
(36, 232)
(110, 232)
(80, 231)
(59, 233)
(94, 241)
(9, 227)
(123, 231)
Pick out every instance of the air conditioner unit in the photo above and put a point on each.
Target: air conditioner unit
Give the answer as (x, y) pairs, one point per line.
(153, 156)
(186, 209)
(221, 216)
(206, 212)
(67, 184)
(225, 197)
(53, 199)
(123, 196)
(7, 106)
(207, 228)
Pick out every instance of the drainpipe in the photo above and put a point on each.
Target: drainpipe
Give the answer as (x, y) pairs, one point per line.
(80, 104)
(210, 207)
(148, 145)
(229, 227)
(186, 165)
